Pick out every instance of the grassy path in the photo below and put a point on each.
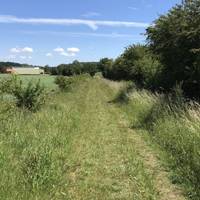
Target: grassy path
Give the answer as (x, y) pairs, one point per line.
(107, 159)
(79, 147)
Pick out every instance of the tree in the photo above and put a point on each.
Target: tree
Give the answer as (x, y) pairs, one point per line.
(175, 38)
(105, 66)
(137, 64)
(76, 67)
(90, 68)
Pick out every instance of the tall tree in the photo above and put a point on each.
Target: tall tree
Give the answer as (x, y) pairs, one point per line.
(175, 37)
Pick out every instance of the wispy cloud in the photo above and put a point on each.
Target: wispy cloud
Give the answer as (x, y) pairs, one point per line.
(86, 34)
(91, 14)
(93, 24)
(21, 50)
(59, 50)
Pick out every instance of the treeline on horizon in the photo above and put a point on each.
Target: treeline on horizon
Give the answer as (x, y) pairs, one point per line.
(14, 64)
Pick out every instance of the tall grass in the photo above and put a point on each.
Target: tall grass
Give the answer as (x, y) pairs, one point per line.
(68, 148)
(175, 125)
(34, 148)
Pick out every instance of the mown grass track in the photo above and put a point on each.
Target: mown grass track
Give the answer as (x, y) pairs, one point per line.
(79, 146)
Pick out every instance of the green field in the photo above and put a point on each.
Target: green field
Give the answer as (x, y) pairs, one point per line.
(79, 146)
(46, 80)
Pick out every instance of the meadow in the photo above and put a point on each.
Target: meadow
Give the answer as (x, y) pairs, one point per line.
(46, 80)
(88, 143)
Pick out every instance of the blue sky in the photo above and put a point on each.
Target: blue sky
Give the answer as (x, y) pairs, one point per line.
(51, 32)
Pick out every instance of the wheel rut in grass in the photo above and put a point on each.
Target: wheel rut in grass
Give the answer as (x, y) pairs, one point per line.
(108, 160)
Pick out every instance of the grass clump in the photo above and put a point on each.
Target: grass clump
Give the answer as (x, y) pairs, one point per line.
(174, 124)
(123, 96)
(37, 168)
(178, 134)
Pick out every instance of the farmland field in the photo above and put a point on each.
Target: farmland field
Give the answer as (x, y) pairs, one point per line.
(79, 146)
(46, 80)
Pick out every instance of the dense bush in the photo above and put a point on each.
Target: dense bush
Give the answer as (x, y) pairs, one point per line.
(136, 64)
(30, 96)
(175, 38)
(64, 83)
(105, 66)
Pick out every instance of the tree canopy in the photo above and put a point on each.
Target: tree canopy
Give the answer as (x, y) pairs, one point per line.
(175, 38)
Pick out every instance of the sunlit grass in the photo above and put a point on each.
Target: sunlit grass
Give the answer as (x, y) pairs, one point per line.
(73, 148)
(176, 129)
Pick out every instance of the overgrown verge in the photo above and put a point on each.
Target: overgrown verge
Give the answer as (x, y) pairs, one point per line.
(34, 145)
(175, 125)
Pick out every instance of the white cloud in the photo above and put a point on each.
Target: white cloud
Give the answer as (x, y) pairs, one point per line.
(27, 50)
(49, 54)
(21, 50)
(59, 50)
(91, 14)
(15, 50)
(73, 50)
(93, 24)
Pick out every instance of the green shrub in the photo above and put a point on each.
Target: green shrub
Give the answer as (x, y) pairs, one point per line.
(137, 64)
(64, 83)
(29, 96)
(8, 85)
(177, 46)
